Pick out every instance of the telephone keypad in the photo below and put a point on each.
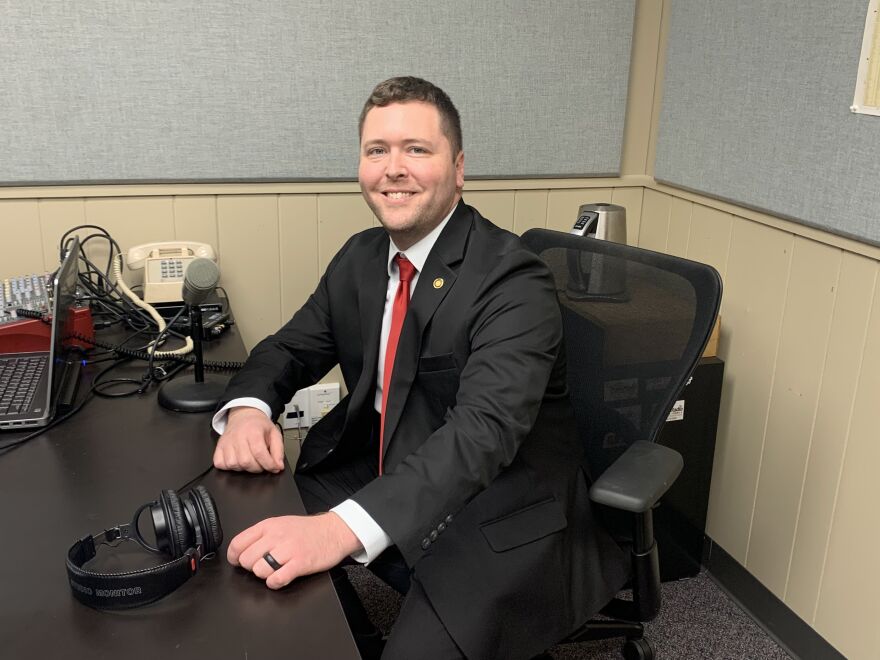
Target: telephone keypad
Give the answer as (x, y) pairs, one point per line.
(171, 269)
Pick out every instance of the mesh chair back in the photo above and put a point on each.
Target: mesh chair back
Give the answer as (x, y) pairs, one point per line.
(636, 323)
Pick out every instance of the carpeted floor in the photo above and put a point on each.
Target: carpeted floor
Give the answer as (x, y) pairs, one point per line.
(698, 621)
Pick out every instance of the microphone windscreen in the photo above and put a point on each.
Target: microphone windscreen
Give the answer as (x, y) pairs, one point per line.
(199, 280)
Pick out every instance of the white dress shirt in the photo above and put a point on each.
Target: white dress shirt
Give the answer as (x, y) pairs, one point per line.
(369, 533)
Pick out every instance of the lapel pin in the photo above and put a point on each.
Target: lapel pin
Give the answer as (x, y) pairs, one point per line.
(438, 283)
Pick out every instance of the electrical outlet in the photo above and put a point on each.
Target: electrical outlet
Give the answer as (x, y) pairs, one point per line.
(297, 413)
(322, 398)
(309, 405)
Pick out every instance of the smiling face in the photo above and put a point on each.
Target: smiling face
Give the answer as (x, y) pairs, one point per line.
(408, 174)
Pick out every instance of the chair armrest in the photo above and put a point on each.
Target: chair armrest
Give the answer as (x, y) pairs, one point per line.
(638, 478)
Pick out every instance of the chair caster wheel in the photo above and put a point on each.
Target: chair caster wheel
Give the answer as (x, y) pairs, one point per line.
(638, 649)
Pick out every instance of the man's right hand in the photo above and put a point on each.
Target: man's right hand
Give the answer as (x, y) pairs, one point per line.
(251, 443)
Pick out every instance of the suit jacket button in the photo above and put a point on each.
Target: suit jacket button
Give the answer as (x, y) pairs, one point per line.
(449, 519)
(425, 544)
(433, 535)
(441, 527)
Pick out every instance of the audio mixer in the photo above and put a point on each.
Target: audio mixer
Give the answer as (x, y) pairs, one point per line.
(29, 292)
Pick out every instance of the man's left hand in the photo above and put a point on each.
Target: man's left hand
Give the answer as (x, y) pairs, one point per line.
(301, 544)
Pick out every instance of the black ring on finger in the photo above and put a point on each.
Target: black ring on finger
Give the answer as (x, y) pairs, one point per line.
(273, 563)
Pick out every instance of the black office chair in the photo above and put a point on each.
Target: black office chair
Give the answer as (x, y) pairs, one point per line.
(636, 323)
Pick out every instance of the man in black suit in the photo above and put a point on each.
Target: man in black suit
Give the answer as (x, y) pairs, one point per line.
(452, 468)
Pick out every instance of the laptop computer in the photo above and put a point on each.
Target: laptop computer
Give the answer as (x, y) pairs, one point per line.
(31, 383)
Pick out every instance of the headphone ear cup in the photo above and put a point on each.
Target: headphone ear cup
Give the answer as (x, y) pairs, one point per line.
(207, 518)
(176, 537)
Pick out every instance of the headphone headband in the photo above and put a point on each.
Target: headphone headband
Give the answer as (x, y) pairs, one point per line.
(140, 587)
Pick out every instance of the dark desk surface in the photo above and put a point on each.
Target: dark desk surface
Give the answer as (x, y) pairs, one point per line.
(93, 471)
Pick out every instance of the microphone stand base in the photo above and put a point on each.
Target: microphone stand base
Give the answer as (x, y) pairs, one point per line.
(191, 397)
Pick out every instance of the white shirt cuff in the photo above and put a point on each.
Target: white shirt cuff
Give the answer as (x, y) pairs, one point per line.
(372, 537)
(218, 423)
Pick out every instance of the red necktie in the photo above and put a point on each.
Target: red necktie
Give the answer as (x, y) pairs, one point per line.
(398, 313)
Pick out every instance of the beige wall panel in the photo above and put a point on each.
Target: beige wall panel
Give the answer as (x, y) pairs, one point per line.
(298, 247)
(562, 205)
(843, 360)
(752, 312)
(56, 217)
(529, 210)
(710, 237)
(247, 232)
(494, 205)
(130, 221)
(678, 239)
(195, 219)
(849, 609)
(803, 342)
(631, 199)
(133, 220)
(21, 250)
(339, 218)
(654, 228)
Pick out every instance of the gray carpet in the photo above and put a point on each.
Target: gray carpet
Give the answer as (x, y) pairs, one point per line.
(697, 621)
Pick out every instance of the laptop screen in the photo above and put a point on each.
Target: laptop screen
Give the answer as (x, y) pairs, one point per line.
(65, 283)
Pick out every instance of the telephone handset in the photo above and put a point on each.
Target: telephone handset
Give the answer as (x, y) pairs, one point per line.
(165, 265)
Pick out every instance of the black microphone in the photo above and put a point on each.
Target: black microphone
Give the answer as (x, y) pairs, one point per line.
(199, 281)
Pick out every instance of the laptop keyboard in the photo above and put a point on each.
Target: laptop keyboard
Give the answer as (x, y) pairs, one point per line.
(19, 377)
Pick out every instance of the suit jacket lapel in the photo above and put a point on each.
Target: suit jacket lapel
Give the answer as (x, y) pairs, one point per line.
(435, 281)
(371, 305)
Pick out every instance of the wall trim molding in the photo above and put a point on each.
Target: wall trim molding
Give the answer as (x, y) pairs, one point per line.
(294, 188)
(775, 221)
(791, 632)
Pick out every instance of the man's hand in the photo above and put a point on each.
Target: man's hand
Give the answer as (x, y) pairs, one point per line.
(250, 443)
(301, 544)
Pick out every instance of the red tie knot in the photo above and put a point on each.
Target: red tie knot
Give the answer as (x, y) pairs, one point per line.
(406, 268)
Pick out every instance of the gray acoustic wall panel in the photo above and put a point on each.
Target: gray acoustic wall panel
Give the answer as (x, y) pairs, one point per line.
(129, 90)
(756, 111)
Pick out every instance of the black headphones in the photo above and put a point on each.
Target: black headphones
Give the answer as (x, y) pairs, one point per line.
(187, 530)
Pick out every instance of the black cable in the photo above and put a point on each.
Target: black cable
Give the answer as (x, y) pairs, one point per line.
(99, 386)
(55, 422)
(106, 290)
(196, 478)
(160, 337)
(213, 365)
(32, 314)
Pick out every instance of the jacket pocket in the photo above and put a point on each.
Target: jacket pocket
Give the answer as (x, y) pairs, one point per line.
(524, 526)
(439, 379)
(431, 363)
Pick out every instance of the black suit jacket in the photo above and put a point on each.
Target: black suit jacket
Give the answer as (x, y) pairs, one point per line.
(483, 491)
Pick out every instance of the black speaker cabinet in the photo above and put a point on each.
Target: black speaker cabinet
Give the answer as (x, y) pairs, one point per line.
(680, 520)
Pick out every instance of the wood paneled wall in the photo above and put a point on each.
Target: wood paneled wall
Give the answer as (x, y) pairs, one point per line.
(795, 483)
(272, 247)
(794, 488)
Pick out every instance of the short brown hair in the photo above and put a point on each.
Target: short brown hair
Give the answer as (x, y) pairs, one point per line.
(409, 88)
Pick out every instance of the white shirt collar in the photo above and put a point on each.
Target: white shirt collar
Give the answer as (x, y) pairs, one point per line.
(418, 253)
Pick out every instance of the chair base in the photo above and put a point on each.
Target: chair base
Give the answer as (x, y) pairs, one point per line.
(593, 630)
(636, 646)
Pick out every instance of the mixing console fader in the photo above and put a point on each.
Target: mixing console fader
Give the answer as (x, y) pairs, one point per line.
(24, 292)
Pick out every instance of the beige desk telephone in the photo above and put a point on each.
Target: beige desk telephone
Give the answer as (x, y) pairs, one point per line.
(165, 265)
